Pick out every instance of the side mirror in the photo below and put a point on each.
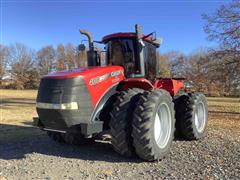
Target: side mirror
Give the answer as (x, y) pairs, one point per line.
(158, 41)
(81, 47)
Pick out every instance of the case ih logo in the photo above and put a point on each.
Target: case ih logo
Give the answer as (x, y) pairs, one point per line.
(99, 79)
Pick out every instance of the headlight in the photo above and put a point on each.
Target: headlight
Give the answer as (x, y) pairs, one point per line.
(63, 106)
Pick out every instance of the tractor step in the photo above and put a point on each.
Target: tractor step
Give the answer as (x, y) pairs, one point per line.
(84, 128)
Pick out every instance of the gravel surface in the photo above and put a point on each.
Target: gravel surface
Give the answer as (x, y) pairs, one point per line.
(217, 156)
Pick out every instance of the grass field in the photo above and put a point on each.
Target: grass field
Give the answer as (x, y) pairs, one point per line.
(225, 105)
(16, 111)
(18, 108)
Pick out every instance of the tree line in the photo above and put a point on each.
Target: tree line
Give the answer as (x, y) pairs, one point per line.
(22, 67)
(205, 70)
(215, 71)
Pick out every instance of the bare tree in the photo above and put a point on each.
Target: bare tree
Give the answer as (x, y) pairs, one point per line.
(4, 52)
(61, 61)
(178, 63)
(21, 62)
(225, 74)
(224, 26)
(46, 58)
(81, 59)
(164, 66)
(70, 56)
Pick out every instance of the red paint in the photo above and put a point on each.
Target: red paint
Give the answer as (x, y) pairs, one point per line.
(105, 39)
(84, 72)
(141, 83)
(170, 85)
(96, 91)
(118, 35)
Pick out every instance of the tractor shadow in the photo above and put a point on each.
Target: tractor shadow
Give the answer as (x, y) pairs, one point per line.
(16, 142)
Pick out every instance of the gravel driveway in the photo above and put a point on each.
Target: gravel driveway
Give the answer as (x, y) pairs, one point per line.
(37, 157)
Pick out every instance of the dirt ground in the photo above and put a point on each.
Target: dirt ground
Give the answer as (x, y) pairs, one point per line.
(27, 153)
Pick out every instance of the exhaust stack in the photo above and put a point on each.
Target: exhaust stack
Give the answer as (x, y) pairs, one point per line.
(89, 36)
(92, 55)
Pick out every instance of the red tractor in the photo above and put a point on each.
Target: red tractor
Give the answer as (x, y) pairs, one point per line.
(125, 97)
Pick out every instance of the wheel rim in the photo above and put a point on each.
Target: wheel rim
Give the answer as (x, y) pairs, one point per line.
(200, 117)
(162, 125)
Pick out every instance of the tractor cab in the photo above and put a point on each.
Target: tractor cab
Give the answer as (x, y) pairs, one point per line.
(122, 51)
(134, 51)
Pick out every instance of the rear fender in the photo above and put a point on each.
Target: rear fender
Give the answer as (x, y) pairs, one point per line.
(173, 86)
(140, 83)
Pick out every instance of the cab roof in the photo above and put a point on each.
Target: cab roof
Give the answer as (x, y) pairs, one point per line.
(109, 37)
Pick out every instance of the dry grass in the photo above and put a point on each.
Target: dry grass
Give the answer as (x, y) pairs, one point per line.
(18, 107)
(28, 94)
(224, 99)
(228, 105)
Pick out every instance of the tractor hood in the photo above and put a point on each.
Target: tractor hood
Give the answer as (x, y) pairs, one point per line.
(96, 79)
(69, 98)
(84, 72)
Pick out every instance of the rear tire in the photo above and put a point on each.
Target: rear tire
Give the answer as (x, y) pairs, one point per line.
(177, 100)
(121, 120)
(192, 115)
(153, 125)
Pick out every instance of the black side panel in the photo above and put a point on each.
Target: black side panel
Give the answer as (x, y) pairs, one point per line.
(58, 91)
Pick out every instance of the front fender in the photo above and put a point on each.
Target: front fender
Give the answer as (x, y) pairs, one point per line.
(103, 100)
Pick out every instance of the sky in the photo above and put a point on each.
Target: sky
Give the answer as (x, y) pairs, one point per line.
(50, 22)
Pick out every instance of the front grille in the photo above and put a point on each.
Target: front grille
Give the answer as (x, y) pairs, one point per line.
(64, 91)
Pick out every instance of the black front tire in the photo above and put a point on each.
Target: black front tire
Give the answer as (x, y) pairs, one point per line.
(121, 120)
(144, 122)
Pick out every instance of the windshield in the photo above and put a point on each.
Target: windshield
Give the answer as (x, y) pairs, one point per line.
(121, 52)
